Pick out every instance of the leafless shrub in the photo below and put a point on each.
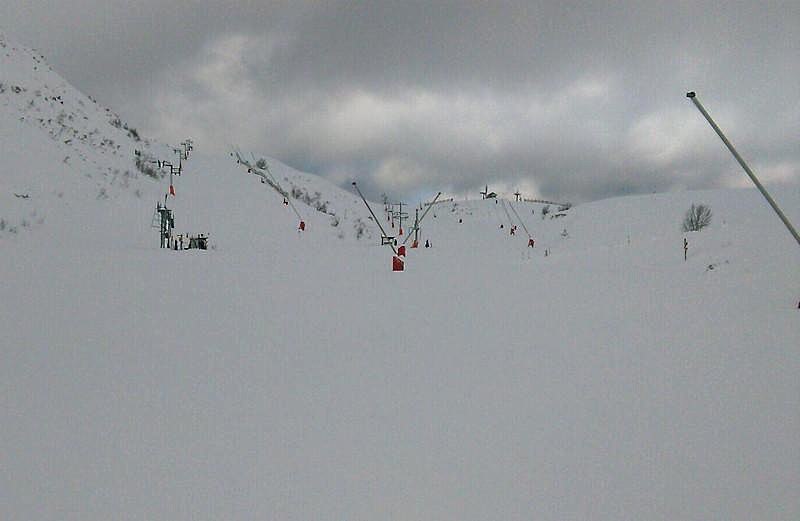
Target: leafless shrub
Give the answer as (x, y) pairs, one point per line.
(697, 217)
(144, 166)
(360, 228)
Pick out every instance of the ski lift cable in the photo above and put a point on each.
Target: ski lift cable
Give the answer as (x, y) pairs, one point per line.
(505, 210)
(494, 211)
(374, 216)
(284, 193)
(277, 185)
(267, 177)
(503, 204)
(520, 220)
(271, 181)
(416, 226)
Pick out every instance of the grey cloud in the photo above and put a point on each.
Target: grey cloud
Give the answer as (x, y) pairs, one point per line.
(576, 100)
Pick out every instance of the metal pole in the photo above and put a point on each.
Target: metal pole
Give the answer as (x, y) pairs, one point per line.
(692, 96)
(416, 226)
(430, 205)
(373, 215)
(400, 216)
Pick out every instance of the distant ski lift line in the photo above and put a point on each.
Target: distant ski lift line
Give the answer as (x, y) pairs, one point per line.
(543, 201)
(441, 201)
(510, 220)
(416, 225)
(268, 177)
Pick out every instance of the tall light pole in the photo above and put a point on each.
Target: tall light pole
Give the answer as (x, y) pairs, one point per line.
(692, 96)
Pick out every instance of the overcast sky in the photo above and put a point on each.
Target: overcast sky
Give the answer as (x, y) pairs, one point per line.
(564, 100)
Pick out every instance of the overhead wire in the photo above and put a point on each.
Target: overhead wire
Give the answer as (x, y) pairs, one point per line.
(520, 220)
(269, 178)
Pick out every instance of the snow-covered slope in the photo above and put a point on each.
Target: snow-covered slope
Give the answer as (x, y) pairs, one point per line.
(61, 149)
(288, 375)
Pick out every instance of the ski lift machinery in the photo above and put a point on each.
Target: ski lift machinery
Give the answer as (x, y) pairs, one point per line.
(418, 221)
(397, 262)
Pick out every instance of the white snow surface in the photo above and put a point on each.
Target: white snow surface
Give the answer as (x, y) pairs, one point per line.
(293, 376)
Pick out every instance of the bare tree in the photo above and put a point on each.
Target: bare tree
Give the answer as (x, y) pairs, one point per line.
(697, 217)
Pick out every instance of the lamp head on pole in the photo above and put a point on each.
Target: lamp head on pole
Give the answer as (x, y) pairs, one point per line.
(690, 94)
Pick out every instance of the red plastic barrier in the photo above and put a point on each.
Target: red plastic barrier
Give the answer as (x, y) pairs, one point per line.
(401, 251)
(397, 264)
(530, 243)
(415, 244)
(302, 227)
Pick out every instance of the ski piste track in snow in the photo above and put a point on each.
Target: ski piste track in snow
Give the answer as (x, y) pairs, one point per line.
(293, 375)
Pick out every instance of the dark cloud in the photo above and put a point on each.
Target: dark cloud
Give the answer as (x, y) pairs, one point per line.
(576, 100)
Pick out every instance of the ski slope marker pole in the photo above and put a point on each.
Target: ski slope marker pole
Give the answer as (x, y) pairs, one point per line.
(692, 96)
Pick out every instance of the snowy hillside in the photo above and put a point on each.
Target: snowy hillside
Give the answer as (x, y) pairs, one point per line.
(59, 147)
(292, 375)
